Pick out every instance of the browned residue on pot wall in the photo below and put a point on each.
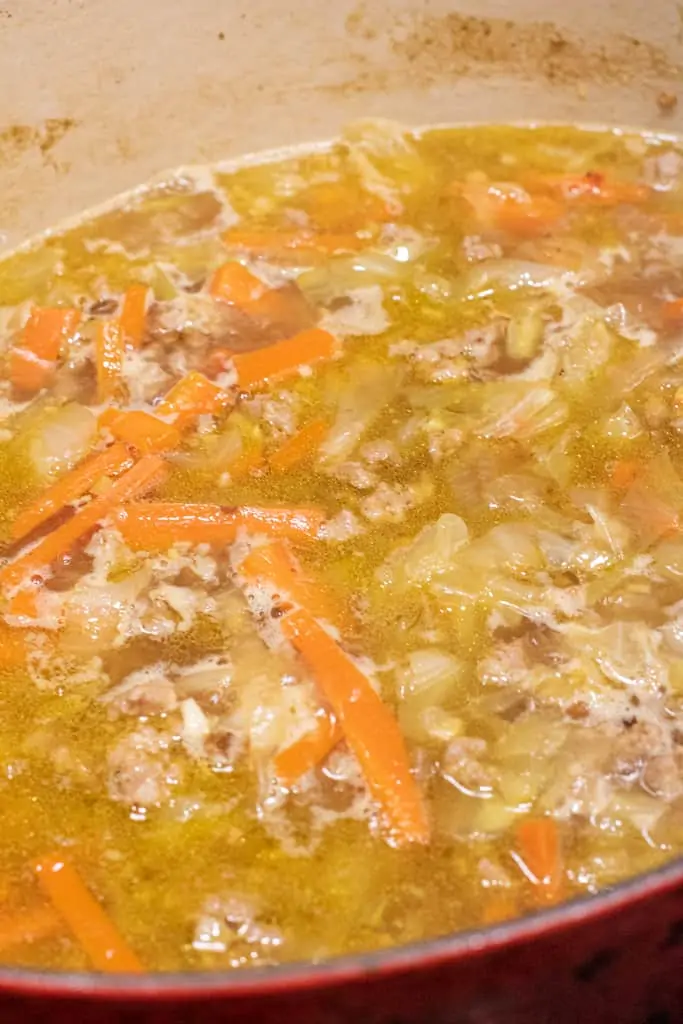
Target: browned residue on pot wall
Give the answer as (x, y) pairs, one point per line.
(18, 138)
(431, 48)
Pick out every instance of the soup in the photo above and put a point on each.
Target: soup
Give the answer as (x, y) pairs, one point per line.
(342, 577)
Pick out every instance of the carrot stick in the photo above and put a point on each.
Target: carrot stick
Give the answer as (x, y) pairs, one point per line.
(335, 206)
(23, 604)
(672, 312)
(47, 330)
(509, 209)
(33, 362)
(533, 217)
(74, 485)
(369, 727)
(274, 564)
(87, 920)
(109, 350)
(285, 306)
(142, 477)
(140, 429)
(157, 526)
(593, 187)
(539, 847)
(31, 925)
(309, 750)
(235, 284)
(294, 524)
(28, 373)
(284, 357)
(299, 447)
(134, 314)
(624, 473)
(274, 243)
(192, 396)
(247, 462)
(648, 514)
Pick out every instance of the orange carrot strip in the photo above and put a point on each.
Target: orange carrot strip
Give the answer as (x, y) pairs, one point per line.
(28, 373)
(192, 396)
(47, 330)
(369, 727)
(33, 361)
(31, 925)
(235, 284)
(142, 477)
(139, 428)
(280, 242)
(592, 187)
(529, 218)
(294, 524)
(335, 206)
(249, 461)
(508, 208)
(299, 447)
(672, 312)
(624, 473)
(73, 485)
(648, 514)
(87, 920)
(109, 351)
(284, 357)
(309, 750)
(157, 526)
(24, 604)
(275, 564)
(539, 846)
(134, 314)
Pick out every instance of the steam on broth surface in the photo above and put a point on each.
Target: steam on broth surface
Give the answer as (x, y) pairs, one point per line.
(342, 579)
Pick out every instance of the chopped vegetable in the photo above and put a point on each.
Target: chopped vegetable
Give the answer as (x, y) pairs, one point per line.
(33, 361)
(672, 312)
(144, 476)
(299, 448)
(369, 728)
(157, 526)
(308, 751)
(109, 351)
(90, 924)
(140, 429)
(592, 187)
(275, 565)
(134, 314)
(283, 358)
(511, 208)
(74, 485)
(233, 283)
(191, 397)
(539, 845)
(624, 473)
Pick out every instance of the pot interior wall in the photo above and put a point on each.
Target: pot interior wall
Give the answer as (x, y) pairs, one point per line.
(96, 97)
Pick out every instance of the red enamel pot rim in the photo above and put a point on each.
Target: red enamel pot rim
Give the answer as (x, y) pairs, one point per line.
(290, 978)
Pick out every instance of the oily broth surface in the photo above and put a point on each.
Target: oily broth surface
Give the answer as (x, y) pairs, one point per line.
(339, 888)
